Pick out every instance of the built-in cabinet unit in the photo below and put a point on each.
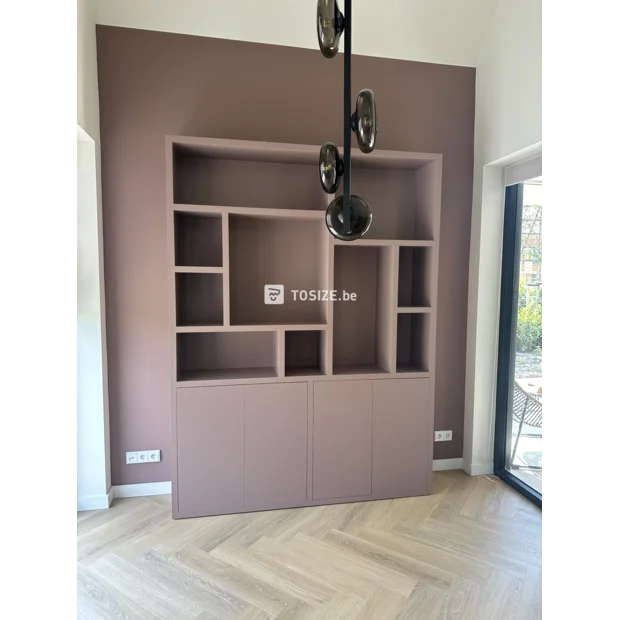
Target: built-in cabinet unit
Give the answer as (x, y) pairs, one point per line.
(323, 397)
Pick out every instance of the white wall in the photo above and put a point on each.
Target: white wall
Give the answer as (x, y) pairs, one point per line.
(73, 126)
(438, 31)
(93, 442)
(508, 128)
(509, 81)
(87, 89)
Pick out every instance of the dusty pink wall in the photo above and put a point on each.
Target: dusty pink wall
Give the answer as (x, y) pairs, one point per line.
(152, 84)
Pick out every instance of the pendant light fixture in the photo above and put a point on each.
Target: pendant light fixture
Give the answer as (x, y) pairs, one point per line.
(348, 217)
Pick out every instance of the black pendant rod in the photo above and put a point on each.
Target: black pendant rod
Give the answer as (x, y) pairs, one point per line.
(347, 115)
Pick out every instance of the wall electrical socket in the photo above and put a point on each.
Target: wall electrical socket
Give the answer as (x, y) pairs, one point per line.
(143, 456)
(443, 435)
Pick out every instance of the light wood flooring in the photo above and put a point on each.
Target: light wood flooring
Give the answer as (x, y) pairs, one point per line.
(470, 550)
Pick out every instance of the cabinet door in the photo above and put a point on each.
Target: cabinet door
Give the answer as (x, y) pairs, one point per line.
(342, 452)
(210, 450)
(276, 440)
(401, 457)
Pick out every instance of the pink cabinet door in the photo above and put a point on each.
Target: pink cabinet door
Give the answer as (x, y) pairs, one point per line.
(276, 440)
(210, 450)
(402, 437)
(342, 452)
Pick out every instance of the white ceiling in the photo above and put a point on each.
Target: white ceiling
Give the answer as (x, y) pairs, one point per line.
(438, 31)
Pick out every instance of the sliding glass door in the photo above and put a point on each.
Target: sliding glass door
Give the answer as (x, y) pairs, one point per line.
(518, 427)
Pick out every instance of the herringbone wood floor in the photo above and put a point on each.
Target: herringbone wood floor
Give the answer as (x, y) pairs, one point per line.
(470, 550)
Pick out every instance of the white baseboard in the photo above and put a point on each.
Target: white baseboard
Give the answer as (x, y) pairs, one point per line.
(447, 464)
(95, 502)
(479, 469)
(98, 502)
(142, 490)
(164, 488)
(101, 502)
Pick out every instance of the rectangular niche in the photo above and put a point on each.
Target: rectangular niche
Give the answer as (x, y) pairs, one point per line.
(199, 299)
(302, 352)
(222, 355)
(401, 199)
(413, 342)
(274, 251)
(197, 240)
(414, 277)
(201, 180)
(361, 327)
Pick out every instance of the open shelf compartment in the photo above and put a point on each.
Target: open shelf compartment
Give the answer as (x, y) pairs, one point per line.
(304, 353)
(228, 180)
(275, 251)
(199, 299)
(414, 277)
(197, 239)
(224, 355)
(361, 327)
(413, 342)
(401, 200)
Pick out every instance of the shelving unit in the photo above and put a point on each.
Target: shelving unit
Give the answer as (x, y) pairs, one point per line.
(247, 214)
(243, 215)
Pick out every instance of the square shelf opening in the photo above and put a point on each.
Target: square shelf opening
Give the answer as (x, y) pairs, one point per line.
(302, 352)
(197, 240)
(238, 183)
(414, 277)
(199, 299)
(267, 251)
(361, 334)
(221, 355)
(413, 343)
(401, 200)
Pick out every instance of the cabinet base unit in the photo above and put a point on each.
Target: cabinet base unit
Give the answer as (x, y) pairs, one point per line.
(262, 446)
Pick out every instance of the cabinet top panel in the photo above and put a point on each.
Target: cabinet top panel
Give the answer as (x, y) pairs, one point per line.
(280, 152)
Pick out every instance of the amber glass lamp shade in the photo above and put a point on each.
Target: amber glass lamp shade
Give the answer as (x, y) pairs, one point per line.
(331, 167)
(361, 217)
(364, 121)
(329, 26)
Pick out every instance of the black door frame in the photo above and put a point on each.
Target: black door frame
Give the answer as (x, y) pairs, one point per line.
(509, 300)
